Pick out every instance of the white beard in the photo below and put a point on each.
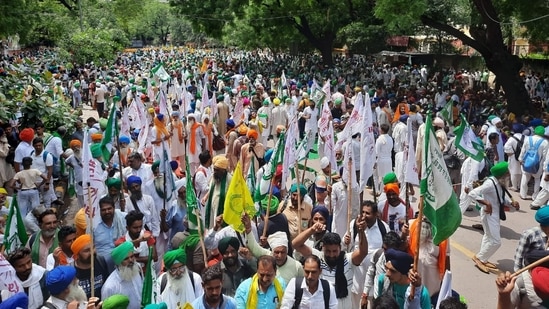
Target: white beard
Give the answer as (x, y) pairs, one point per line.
(76, 293)
(176, 286)
(128, 273)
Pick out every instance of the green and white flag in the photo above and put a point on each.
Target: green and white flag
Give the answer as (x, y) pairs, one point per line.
(15, 234)
(303, 148)
(109, 134)
(440, 203)
(447, 114)
(193, 210)
(467, 141)
(160, 72)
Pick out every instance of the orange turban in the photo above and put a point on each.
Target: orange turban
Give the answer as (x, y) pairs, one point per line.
(392, 187)
(80, 222)
(26, 135)
(96, 137)
(75, 143)
(253, 134)
(79, 243)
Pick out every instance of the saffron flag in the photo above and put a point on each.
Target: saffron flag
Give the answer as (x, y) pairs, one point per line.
(367, 141)
(93, 185)
(238, 201)
(440, 203)
(15, 233)
(467, 141)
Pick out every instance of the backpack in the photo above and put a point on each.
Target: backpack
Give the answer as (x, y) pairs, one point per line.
(485, 172)
(45, 156)
(531, 158)
(299, 292)
(518, 148)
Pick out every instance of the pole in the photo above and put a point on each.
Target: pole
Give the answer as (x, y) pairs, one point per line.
(120, 167)
(349, 189)
(536, 263)
(92, 268)
(267, 211)
(304, 169)
(298, 200)
(201, 237)
(418, 235)
(374, 185)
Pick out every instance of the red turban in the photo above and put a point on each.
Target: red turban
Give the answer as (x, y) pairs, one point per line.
(26, 135)
(392, 187)
(540, 282)
(253, 134)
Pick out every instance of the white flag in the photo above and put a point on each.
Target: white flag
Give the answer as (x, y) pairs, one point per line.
(238, 112)
(10, 282)
(125, 125)
(163, 103)
(367, 142)
(354, 121)
(289, 150)
(93, 184)
(445, 288)
(411, 174)
(348, 156)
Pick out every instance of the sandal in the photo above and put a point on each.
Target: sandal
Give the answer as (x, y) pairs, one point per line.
(482, 268)
(490, 265)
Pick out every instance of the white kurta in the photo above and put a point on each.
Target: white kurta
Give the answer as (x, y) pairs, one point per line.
(469, 174)
(384, 146)
(115, 285)
(339, 206)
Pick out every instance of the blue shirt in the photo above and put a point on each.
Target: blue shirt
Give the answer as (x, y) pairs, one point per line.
(227, 303)
(174, 219)
(104, 236)
(265, 300)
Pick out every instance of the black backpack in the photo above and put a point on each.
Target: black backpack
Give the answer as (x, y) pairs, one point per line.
(299, 292)
(518, 149)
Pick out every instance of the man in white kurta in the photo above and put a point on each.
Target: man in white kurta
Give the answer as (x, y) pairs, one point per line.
(278, 117)
(529, 142)
(127, 278)
(196, 142)
(384, 146)
(511, 148)
(469, 174)
(543, 195)
(177, 148)
(143, 203)
(339, 206)
(400, 139)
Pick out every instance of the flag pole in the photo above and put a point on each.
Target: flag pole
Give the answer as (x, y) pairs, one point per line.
(349, 189)
(374, 184)
(120, 167)
(418, 235)
(298, 200)
(201, 237)
(304, 168)
(92, 266)
(266, 219)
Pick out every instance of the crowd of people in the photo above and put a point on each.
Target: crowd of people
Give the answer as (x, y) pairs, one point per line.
(196, 117)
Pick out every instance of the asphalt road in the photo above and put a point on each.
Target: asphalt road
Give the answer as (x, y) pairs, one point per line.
(476, 287)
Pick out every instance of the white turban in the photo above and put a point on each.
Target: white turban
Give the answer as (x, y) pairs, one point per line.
(278, 239)
(496, 120)
(180, 183)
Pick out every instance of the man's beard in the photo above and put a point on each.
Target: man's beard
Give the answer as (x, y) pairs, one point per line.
(85, 261)
(77, 153)
(48, 233)
(176, 285)
(76, 293)
(332, 262)
(218, 176)
(137, 195)
(128, 273)
(229, 262)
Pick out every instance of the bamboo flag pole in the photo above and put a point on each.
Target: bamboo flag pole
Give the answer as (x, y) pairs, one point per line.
(535, 264)
(201, 237)
(349, 190)
(92, 268)
(418, 235)
(267, 211)
(298, 200)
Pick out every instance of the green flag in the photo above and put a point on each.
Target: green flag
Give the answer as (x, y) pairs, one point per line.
(447, 114)
(440, 203)
(192, 202)
(15, 235)
(109, 134)
(263, 185)
(160, 72)
(147, 296)
(467, 141)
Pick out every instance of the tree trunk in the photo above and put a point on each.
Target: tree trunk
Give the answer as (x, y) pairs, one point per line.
(325, 49)
(324, 44)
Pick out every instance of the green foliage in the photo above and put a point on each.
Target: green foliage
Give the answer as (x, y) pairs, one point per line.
(362, 38)
(400, 16)
(95, 45)
(27, 91)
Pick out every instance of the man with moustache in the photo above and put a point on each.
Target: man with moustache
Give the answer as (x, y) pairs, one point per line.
(114, 191)
(62, 255)
(63, 286)
(144, 204)
(263, 290)
(171, 219)
(74, 161)
(337, 266)
(44, 241)
(125, 152)
(112, 225)
(127, 278)
(215, 198)
(178, 285)
(83, 251)
(137, 168)
(212, 281)
(31, 277)
(235, 270)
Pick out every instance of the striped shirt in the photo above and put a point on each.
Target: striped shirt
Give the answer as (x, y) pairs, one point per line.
(329, 273)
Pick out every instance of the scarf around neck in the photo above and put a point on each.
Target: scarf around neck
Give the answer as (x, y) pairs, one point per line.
(222, 192)
(254, 287)
(192, 145)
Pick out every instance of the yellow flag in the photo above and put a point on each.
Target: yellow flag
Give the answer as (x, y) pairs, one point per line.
(186, 306)
(238, 201)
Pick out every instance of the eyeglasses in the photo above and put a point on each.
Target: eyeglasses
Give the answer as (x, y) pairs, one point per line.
(180, 269)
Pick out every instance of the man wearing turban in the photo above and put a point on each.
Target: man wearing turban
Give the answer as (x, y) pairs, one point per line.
(214, 199)
(230, 137)
(178, 284)
(114, 191)
(222, 115)
(235, 270)
(143, 203)
(290, 210)
(492, 200)
(161, 137)
(286, 266)
(393, 210)
(398, 281)
(117, 301)
(179, 134)
(82, 248)
(24, 149)
(126, 279)
(251, 153)
(125, 151)
(74, 162)
(63, 286)
(279, 117)
(533, 240)
(531, 142)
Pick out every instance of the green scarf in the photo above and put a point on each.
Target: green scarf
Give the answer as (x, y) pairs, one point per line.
(35, 249)
(221, 200)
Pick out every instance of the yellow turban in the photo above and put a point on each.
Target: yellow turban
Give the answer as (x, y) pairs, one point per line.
(220, 161)
(80, 222)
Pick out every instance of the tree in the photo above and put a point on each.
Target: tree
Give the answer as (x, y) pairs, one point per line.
(273, 22)
(486, 21)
